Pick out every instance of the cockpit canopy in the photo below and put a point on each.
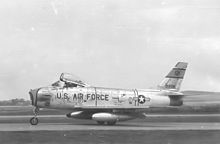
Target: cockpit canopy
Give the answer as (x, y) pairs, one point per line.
(69, 80)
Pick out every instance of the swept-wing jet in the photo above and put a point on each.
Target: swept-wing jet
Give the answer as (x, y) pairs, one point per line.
(107, 105)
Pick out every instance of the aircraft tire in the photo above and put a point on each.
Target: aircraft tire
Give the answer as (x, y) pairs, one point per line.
(111, 123)
(34, 121)
(101, 122)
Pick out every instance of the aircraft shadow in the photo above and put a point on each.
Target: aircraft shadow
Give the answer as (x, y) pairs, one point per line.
(117, 125)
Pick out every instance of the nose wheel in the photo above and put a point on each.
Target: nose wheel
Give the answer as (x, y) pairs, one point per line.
(34, 120)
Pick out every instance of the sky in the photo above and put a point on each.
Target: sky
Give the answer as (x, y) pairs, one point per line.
(108, 43)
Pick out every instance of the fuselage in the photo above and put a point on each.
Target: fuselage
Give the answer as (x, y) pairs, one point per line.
(102, 98)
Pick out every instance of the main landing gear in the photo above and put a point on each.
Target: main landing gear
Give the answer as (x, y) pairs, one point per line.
(111, 123)
(34, 120)
(108, 122)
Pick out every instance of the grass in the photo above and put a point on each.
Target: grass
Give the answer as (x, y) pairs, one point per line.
(107, 137)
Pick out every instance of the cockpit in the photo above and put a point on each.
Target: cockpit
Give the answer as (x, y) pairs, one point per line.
(69, 80)
(58, 84)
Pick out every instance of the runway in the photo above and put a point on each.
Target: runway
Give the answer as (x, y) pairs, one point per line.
(153, 122)
(121, 126)
(56, 129)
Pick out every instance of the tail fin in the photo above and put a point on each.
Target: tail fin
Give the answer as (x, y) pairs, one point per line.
(174, 78)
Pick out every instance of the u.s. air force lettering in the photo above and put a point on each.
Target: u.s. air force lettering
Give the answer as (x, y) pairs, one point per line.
(81, 96)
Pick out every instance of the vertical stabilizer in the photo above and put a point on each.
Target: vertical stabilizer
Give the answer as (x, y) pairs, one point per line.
(174, 78)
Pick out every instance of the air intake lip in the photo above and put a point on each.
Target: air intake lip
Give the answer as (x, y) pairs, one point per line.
(31, 97)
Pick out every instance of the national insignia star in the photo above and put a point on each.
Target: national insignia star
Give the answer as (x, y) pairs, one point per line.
(141, 99)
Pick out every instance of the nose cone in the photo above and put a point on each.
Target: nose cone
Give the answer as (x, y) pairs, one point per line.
(33, 96)
(40, 97)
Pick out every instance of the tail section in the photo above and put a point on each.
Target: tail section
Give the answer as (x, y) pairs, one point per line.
(174, 78)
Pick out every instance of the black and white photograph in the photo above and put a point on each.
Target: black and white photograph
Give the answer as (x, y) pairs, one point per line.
(109, 72)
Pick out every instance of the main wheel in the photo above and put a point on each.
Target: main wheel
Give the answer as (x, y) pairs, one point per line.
(101, 122)
(34, 121)
(111, 123)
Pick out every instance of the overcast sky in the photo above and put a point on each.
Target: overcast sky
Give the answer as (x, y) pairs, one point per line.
(109, 43)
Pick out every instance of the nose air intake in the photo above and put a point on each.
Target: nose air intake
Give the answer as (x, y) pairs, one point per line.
(33, 96)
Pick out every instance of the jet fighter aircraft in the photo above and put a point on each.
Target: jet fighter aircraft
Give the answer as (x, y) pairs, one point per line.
(107, 105)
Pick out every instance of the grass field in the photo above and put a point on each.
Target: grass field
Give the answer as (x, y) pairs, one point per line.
(109, 137)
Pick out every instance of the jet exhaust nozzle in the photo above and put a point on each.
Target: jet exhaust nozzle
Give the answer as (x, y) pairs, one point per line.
(176, 100)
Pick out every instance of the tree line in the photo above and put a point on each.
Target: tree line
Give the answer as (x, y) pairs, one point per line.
(15, 102)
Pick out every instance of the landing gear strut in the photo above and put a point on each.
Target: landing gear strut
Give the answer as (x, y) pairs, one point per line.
(101, 122)
(34, 120)
(111, 123)
(108, 122)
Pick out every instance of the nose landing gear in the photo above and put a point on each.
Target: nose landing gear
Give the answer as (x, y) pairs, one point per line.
(34, 120)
